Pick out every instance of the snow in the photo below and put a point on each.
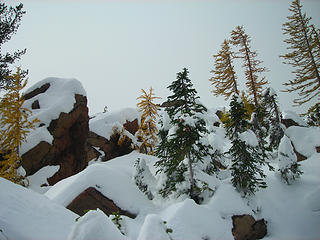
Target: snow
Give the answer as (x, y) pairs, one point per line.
(249, 138)
(103, 177)
(26, 215)
(291, 211)
(103, 124)
(286, 155)
(153, 228)
(295, 117)
(305, 140)
(40, 178)
(95, 225)
(59, 97)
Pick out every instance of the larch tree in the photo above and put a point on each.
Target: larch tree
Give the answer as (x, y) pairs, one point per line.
(10, 18)
(14, 127)
(303, 55)
(251, 63)
(224, 77)
(181, 141)
(147, 133)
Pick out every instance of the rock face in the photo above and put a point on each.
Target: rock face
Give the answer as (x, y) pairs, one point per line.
(245, 227)
(69, 132)
(111, 147)
(91, 199)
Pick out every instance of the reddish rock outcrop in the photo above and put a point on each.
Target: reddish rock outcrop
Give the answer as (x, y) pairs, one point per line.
(69, 148)
(245, 227)
(91, 199)
(111, 147)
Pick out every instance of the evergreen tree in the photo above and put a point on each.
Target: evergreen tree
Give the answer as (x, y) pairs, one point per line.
(288, 165)
(251, 64)
(10, 18)
(303, 55)
(247, 156)
(224, 79)
(148, 129)
(144, 178)
(14, 127)
(181, 143)
(273, 116)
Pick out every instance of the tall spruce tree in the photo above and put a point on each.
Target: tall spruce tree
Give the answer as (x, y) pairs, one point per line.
(10, 18)
(14, 127)
(224, 77)
(180, 144)
(303, 55)
(246, 155)
(251, 63)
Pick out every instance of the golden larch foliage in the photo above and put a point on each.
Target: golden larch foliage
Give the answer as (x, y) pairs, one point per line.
(251, 64)
(303, 56)
(224, 78)
(14, 127)
(148, 130)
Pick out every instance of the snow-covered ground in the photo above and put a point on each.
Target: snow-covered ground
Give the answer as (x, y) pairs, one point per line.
(292, 211)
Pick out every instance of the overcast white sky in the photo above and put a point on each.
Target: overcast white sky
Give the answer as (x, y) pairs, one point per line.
(115, 48)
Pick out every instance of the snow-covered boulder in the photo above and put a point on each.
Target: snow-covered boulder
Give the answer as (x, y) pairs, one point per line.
(60, 138)
(113, 183)
(106, 129)
(290, 118)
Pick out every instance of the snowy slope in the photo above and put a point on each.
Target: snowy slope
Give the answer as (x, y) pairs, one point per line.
(292, 211)
(25, 215)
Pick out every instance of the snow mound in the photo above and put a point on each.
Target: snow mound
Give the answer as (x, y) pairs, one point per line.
(40, 178)
(114, 183)
(58, 98)
(153, 228)
(305, 140)
(26, 215)
(95, 225)
(104, 123)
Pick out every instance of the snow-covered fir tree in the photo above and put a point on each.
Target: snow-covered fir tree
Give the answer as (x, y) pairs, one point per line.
(288, 165)
(144, 178)
(273, 117)
(181, 140)
(245, 152)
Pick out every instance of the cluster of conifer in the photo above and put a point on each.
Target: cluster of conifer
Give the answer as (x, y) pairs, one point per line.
(253, 123)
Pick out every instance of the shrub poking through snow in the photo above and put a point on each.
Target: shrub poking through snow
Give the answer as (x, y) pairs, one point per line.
(246, 153)
(147, 130)
(181, 144)
(116, 219)
(143, 177)
(288, 165)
